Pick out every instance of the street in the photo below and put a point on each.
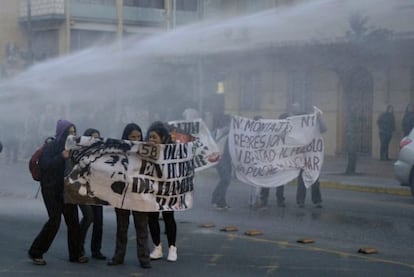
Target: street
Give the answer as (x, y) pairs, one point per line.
(348, 221)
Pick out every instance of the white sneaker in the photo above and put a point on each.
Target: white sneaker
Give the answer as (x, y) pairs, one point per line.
(156, 252)
(172, 254)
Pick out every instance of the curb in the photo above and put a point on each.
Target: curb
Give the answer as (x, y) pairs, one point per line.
(392, 191)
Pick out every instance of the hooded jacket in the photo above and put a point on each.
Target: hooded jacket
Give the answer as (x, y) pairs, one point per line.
(52, 162)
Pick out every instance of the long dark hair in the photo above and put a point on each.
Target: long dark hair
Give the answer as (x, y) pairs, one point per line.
(159, 128)
(129, 128)
(90, 131)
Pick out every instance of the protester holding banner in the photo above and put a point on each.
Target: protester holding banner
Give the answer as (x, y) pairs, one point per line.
(92, 214)
(158, 134)
(224, 167)
(53, 164)
(280, 190)
(315, 188)
(131, 132)
(264, 192)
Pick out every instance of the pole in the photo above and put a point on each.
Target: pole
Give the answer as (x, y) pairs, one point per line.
(120, 16)
(67, 26)
(174, 11)
(30, 32)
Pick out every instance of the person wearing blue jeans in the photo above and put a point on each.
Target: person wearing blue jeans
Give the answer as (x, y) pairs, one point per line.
(224, 170)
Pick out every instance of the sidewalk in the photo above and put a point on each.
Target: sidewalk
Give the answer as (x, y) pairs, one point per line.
(372, 176)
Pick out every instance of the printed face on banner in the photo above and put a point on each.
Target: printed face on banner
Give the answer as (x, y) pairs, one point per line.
(137, 176)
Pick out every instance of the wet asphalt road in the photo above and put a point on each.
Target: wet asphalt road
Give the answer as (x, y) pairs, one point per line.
(348, 221)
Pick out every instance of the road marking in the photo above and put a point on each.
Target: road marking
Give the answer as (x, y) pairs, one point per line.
(215, 258)
(325, 250)
(392, 191)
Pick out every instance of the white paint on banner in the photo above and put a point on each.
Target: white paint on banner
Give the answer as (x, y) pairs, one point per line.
(207, 152)
(135, 175)
(270, 152)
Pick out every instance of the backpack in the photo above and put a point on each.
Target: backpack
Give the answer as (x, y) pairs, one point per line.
(34, 162)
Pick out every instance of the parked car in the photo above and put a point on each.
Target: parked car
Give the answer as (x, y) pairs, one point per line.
(404, 166)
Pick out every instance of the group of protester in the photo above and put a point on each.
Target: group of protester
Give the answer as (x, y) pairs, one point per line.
(386, 127)
(55, 164)
(260, 195)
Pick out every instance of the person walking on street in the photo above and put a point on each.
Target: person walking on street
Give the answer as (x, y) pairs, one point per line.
(158, 134)
(131, 132)
(53, 165)
(92, 214)
(408, 120)
(224, 167)
(386, 126)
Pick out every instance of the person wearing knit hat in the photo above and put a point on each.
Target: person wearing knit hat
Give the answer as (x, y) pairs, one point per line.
(53, 165)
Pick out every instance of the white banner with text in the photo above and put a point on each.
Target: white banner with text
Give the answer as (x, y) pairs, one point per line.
(272, 152)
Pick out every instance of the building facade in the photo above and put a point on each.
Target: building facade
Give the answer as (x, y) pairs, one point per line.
(350, 84)
(350, 75)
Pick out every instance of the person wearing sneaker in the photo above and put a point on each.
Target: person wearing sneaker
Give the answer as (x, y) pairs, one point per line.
(92, 214)
(131, 132)
(53, 165)
(158, 134)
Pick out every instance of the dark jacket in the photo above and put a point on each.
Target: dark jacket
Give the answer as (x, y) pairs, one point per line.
(386, 123)
(52, 162)
(408, 122)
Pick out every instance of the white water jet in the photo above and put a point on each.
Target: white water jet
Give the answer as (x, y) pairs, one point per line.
(125, 74)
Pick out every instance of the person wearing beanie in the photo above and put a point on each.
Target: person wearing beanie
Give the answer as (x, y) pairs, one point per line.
(53, 165)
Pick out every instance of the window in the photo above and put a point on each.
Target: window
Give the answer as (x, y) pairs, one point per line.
(157, 4)
(186, 5)
(299, 89)
(96, 2)
(250, 92)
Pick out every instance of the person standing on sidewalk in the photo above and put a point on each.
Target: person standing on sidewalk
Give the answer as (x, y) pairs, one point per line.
(131, 132)
(92, 214)
(53, 165)
(158, 134)
(408, 120)
(386, 126)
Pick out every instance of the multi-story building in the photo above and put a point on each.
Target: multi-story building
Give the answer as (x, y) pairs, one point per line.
(321, 66)
(56, 27)
(319, 54)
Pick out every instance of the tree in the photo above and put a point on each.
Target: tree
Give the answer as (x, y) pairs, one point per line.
(364, 44)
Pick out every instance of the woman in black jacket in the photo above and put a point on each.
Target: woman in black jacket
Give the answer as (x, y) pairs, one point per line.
(158, 134)
(92, 214)
(131, 132)
(53, 165)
